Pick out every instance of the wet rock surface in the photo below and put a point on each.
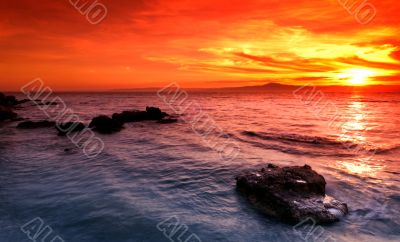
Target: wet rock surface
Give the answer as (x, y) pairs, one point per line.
(35, 125)
(291, 194)
(105, 125)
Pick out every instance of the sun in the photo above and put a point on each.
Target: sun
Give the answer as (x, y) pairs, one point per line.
(356, 77)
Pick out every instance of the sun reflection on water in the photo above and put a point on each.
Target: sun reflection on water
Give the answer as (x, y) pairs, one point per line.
(354, 127)
(362, 167)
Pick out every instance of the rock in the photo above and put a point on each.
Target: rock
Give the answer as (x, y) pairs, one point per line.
(151, 113)
(292, 194)
(155, 113)
(168, 121)
(105, 125)
(6, 114)
(130, 116)
(10, 101)
(7, 100)
(70, 127)
(35, 125)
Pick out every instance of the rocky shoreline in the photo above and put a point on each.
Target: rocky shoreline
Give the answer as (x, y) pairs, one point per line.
(101, 124)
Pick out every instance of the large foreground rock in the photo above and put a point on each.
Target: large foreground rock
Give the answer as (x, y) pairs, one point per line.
(292, 194)
(105, 125)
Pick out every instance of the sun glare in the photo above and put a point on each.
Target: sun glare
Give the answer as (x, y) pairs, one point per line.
(356, 77)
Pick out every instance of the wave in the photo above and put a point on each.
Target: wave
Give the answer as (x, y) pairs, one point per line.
(305, 144)
(378, 101)
(296, 151)
(384, 151)
(296, 138)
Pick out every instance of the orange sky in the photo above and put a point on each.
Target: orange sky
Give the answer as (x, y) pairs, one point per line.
(198, 43)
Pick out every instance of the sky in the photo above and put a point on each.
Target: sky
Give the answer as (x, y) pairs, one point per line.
(125, 44)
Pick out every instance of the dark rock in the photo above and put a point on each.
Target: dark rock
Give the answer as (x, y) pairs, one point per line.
(7, 101)
(7, 113)
(155, 113)
(168, 121)
(7, 105)
(151, 113)
(35, 125)
(292, 194)
(11, 100)
(70, 127)
(105, 125)
(130, 116)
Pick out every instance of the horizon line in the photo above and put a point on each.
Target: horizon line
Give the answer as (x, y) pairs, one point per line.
(219, 88)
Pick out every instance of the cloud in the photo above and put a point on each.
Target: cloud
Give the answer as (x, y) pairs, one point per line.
(192, 41)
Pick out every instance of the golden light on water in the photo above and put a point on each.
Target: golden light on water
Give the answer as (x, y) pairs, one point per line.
(362, 167)
(353, 130)
(358, 168)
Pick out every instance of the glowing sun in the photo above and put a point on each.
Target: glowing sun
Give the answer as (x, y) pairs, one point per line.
(356, 77)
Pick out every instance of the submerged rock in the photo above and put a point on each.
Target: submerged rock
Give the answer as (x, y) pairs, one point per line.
(105, 125)
(292, 194)
(70, 127)
(151, 113)
(35, 125)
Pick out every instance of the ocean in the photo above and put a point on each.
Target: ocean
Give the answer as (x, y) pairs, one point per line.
(151, 173)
